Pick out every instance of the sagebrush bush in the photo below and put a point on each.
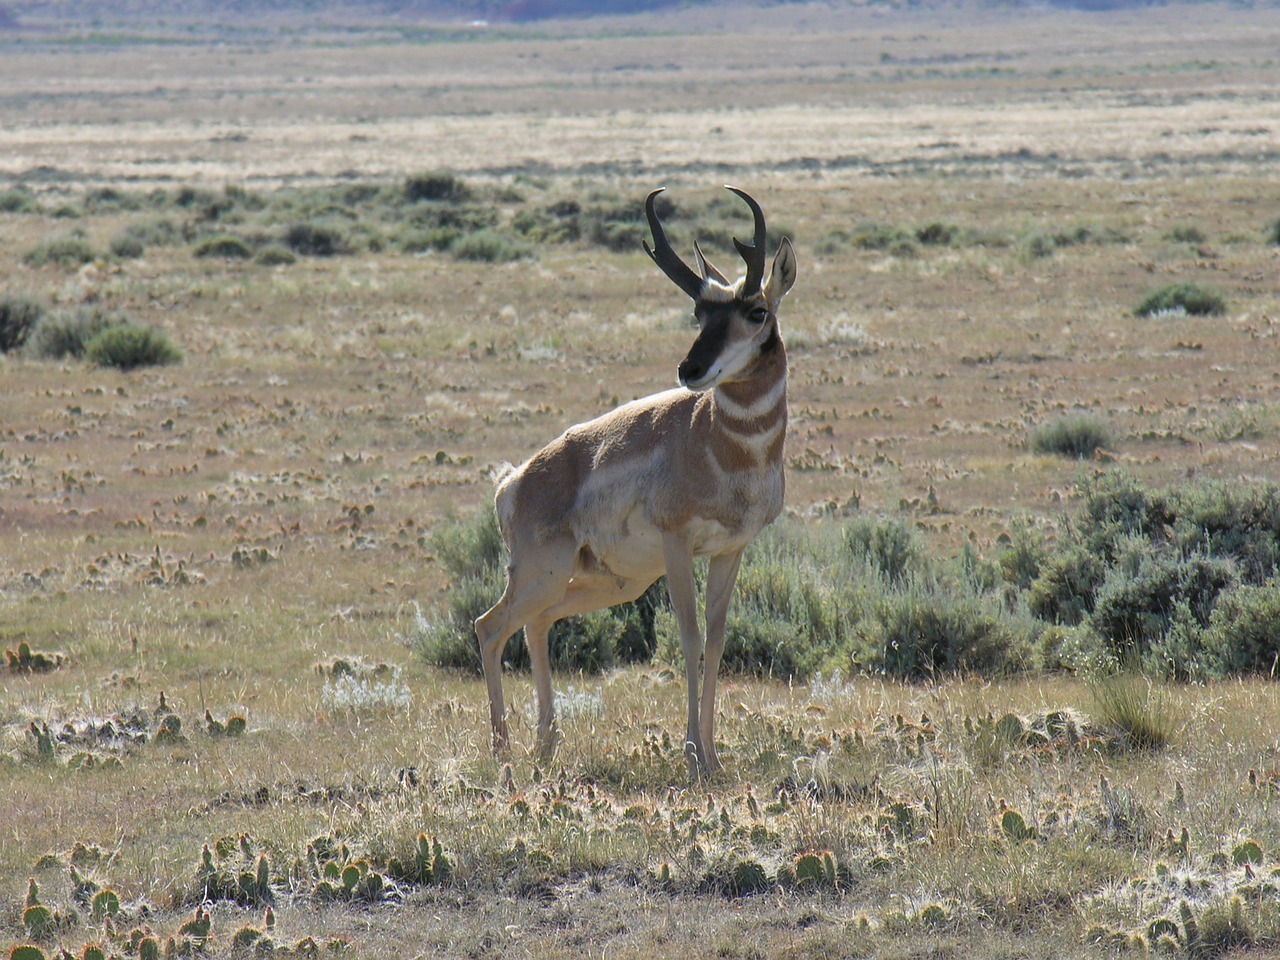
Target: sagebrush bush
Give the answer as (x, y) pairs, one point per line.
(226, 246)
(1244, 631)
(1024, 556)
(127, 346)
(434, 238)
(808, 600)
(1078, 435)
(490, 246)
(155, 232)
(1145, 570)
(937, 234)
(932, 630)
(125, 246)
(874, 235)
(1187, 233)
(69, 250)
(317, 239)
(274, 255)
(887, 545)
(17, 200)
(18, 317)
(1189, 298)
(437, 186)
(64, 333)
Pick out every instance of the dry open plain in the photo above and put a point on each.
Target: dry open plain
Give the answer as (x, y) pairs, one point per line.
(979, 199)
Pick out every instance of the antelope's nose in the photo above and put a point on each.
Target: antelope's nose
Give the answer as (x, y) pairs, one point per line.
(690, 371)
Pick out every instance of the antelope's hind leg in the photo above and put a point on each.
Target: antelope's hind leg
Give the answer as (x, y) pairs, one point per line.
(583, 596)
(536, 583)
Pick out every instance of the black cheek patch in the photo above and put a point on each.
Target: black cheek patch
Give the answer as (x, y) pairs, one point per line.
(710, 343)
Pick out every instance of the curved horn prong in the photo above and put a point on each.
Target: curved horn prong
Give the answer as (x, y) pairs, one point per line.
(708, 268)
(754, 253)
(667, 259)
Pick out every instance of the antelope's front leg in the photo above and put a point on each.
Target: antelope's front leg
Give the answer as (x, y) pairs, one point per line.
(722, 574)
(679, 561)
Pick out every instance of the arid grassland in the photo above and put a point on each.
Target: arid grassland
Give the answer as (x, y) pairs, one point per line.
(277, 298)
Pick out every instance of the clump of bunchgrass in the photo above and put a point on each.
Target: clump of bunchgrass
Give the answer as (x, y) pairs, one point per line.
(1134, 707)
(1184, 298)
(1078, 435)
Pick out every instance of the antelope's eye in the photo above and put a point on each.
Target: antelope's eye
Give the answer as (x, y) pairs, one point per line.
(758, 315)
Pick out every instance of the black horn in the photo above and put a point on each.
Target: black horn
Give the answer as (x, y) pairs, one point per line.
(676, 269)
(753, 254)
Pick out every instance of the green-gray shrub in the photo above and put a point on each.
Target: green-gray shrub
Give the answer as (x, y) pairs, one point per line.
(490, 246)
(18, 317)
(317, 239)
(225, 246)
(434, 238)
(17, 200)
(274, 255)
(437, 186)
(1063, 592)
(127, 346)
(107, 199)
(1244, 631)
(1186, 297)
(889, 546)
(1273, 232)
(154, 231)
(69, 250)
(1077, 435)
(937, 234)
(930, 630)
(874, 235)
(1187, 233)
(1134, 605)
(1024, 557)
(125, 246)
(64, 333)
(1144, 570)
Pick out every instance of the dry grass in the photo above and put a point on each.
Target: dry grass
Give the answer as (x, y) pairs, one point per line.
(215, 530)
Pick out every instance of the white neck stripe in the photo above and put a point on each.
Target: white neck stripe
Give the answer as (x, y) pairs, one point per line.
(756, 440)
(756, 408)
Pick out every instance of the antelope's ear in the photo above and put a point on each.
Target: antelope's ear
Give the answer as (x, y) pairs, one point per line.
(781, 276)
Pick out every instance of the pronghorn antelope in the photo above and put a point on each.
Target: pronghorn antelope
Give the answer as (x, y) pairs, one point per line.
(607, 508)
